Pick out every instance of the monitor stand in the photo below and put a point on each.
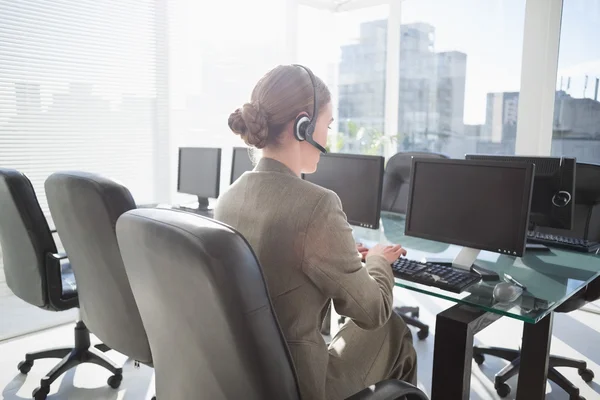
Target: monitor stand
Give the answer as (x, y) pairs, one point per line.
(465, 259)
(202, 208)
(202, 204)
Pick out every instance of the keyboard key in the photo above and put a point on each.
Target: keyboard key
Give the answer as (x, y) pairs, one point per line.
(441, 276)
(567, 243)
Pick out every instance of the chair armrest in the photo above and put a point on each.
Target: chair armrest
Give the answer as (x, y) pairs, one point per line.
(391, 389)
(58, 256)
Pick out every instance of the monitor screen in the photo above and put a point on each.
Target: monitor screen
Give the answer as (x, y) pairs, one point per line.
(479, 204)
(357, 180)
(240, 163)
(554, 177)
(199, 171)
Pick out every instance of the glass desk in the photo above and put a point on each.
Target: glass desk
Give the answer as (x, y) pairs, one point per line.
(550, 278)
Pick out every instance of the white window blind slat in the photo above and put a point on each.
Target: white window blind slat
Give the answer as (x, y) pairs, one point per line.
(78, 89)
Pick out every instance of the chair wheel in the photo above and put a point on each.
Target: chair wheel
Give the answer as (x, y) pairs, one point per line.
(586, 374)
(25, 366)
(502, 389)
(423, 333)
(115, 381)
(40, 393)
(479, 358)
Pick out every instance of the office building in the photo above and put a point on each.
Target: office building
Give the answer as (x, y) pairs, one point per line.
(576, 125)
(501, 115)
(450, 100)
(432, 85)
(362, 78)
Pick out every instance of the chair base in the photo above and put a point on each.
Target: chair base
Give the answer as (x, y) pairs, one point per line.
(413, 320)
(512, 369)
(72, 357)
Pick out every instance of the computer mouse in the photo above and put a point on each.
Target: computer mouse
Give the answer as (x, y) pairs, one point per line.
(506, 292)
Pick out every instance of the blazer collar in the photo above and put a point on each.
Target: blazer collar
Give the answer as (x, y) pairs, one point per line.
(271, 165)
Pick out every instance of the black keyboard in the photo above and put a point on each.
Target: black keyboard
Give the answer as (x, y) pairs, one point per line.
(565, 242)
(437, 275)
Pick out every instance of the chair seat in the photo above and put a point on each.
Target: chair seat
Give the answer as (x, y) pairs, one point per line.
(69, 286)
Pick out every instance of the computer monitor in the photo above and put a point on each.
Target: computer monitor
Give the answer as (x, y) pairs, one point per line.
(553, 201)
(586, 218)
(481, 205)
(241, 162)
(199, 173)
(357, 180)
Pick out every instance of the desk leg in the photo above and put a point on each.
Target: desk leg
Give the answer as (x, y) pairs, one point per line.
(453, 350)
(535, 352)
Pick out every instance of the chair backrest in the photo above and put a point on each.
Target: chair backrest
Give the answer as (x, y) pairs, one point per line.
(85, 208)
(396, 180)
(205, 305)
(25, 238)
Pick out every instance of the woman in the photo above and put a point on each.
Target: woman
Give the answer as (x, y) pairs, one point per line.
(305, 246)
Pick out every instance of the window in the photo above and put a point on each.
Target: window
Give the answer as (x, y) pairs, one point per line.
(576, 124)
(460, 65)
(217, 53)
(459, 76)
(80, 89)
(363, 34)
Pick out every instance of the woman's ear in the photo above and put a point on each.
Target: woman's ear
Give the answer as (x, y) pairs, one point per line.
(288, 130)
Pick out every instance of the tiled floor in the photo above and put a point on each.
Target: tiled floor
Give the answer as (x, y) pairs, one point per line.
(575, 335)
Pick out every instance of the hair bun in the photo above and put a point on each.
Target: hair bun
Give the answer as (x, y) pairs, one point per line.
(250, 122)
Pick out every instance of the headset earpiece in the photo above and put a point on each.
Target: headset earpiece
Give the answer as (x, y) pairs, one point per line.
(561, 199)
(301, 127)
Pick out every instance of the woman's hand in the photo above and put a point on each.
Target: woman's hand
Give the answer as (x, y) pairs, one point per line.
(390, 252)
(362, 250)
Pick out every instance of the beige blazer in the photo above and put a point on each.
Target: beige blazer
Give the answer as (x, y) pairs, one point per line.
(308, 254)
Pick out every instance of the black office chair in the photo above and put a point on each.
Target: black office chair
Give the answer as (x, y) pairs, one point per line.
(41, 276)
(202, 296)
(586, 226)
(85, 208)
(396, 182)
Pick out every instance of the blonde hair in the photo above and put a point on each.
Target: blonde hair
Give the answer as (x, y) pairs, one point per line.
(277, 99)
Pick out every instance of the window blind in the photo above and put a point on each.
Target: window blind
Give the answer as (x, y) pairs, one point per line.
(78, 89)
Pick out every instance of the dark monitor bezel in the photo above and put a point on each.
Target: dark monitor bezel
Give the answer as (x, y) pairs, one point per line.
(218, 172)
(548, 221)
(381, 159)
(522, 233)
(247, 149)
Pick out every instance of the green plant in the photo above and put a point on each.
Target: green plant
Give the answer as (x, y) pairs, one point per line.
(364, 140)
(335, 146)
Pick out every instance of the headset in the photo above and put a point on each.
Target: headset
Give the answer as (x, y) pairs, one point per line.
(304, 126)
(561, 198)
